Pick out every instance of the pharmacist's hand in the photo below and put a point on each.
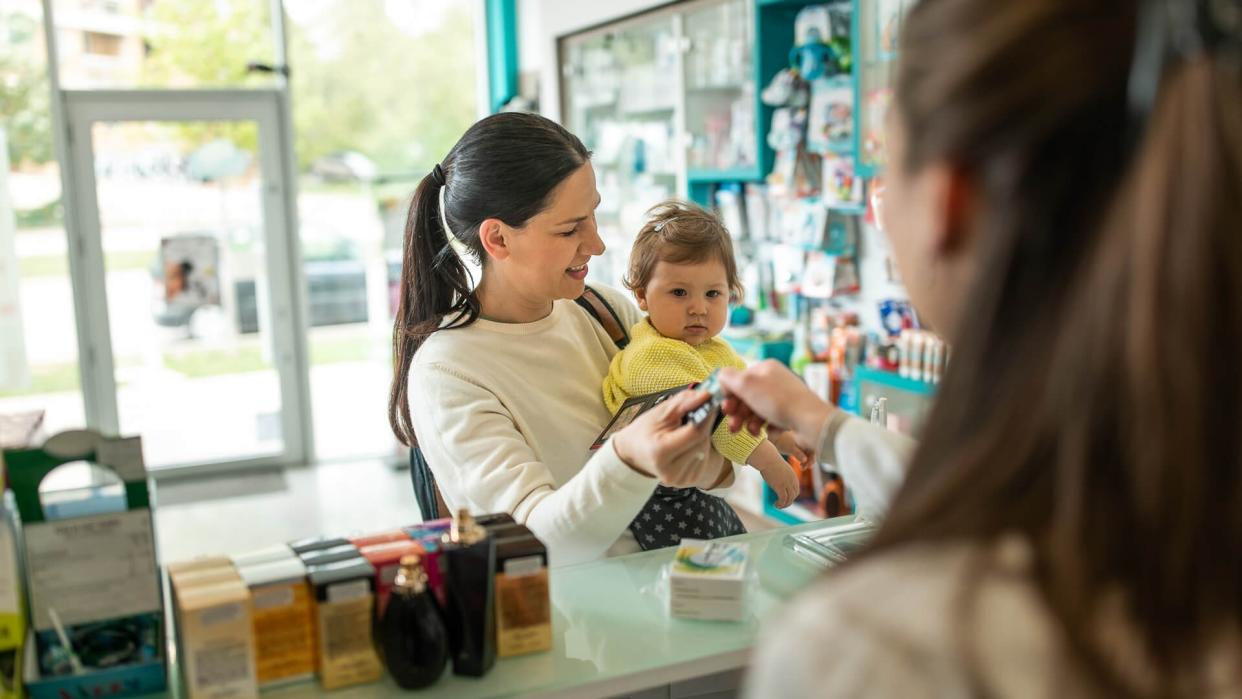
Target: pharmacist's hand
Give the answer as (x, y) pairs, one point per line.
(768, 393)
(658, 445)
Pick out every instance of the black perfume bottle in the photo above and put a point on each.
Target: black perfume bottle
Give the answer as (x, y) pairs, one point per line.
(468, 558)
(412, 638)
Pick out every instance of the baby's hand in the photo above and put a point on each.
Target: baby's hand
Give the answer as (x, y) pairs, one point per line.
(786, 444)
(781, 478)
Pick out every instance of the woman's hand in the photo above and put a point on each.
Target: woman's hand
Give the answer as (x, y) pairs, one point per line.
(657, 444)
(768, 393)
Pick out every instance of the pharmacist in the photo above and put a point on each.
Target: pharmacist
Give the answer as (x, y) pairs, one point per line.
(1056, 206)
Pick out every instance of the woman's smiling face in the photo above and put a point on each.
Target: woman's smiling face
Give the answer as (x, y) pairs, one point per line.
(549, 256)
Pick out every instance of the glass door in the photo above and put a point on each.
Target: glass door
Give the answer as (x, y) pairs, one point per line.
(184, 274)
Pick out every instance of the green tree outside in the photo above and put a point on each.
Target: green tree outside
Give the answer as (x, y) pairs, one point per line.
(385, 94)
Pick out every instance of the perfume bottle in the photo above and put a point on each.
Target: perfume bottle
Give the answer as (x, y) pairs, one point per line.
(468, 559)
(412, 637)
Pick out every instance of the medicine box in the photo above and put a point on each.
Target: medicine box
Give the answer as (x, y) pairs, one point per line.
(708, 579)
(93, 572)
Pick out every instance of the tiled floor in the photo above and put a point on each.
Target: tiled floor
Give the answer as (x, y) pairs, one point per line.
(233, 513)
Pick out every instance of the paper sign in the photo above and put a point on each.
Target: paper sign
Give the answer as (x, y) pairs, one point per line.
(92, 568)
(123, 455)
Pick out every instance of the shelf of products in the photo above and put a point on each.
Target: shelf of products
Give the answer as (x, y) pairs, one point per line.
(877, 26)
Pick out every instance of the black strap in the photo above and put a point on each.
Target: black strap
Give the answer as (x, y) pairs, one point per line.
(426, 492)
(604, 314)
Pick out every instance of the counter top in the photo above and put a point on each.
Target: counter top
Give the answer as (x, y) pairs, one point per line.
(611, 634)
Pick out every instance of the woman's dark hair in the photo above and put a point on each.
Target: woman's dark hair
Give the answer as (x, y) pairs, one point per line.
(505, 167)
(1094, 402)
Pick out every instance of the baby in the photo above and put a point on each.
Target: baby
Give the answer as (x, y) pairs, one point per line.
(683, 274)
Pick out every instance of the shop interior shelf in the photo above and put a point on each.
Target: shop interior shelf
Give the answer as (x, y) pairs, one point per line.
(741, 174)
(894, 380)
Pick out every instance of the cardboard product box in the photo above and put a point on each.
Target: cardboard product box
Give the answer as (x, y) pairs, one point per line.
(316, 543)
(435, 527)
(344, 601)
(708, 580)
(523, 598)
(386, 559)
(93, 569)
(284, 620)
(331, 554)
(430, 535)
(279, 552)
(12, 606)
(215, 636)
(362, 542)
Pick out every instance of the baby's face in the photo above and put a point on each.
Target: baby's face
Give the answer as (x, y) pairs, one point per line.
(688, 302)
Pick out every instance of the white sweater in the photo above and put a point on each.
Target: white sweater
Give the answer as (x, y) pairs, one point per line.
(506, 413)
(948, 620)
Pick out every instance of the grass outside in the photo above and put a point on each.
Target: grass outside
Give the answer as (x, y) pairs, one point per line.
(58, 265)
(60, 378)
(57, 378)
(203, 363)
(47, 378)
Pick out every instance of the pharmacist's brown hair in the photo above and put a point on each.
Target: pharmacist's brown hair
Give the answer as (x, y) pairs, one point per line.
(681, 232)
(1094, 404)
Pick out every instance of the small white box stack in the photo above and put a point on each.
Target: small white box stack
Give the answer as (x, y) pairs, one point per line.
(707, 580)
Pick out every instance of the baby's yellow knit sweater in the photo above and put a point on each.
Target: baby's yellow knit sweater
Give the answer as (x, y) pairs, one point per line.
(653, 363)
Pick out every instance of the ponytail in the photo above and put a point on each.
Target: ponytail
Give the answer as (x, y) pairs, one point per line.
(434, 284)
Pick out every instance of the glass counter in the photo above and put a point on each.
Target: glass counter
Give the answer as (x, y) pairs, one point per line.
(611, 634)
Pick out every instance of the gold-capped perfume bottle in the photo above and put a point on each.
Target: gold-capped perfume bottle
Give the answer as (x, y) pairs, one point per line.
(412, 637)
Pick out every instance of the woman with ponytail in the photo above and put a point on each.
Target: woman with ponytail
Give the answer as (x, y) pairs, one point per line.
(1064, 200)
(497, 384)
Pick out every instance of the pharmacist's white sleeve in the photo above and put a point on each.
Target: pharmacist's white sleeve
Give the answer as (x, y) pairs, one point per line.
(871, 459)
(482, 461)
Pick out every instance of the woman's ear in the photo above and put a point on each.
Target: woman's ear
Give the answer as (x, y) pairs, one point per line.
(953, 193)
(640, 294)
(493, 235)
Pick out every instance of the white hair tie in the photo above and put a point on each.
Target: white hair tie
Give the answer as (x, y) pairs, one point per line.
(444, 216)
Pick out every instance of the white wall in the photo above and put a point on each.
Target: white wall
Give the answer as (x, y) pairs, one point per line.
(541, 21)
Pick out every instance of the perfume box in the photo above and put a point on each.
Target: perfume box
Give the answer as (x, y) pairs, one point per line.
(283, 618)
(215, 633)
(344, 593)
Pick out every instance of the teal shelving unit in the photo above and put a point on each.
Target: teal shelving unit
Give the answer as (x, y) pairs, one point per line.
(774, 35)
(876, 24)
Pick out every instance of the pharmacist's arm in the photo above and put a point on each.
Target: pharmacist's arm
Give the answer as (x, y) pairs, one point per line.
(870, 458)
(481, 461)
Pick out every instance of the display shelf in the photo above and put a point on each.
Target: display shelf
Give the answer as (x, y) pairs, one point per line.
(797, 513)
(894, 380)
(741, 174)
(639, 114)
